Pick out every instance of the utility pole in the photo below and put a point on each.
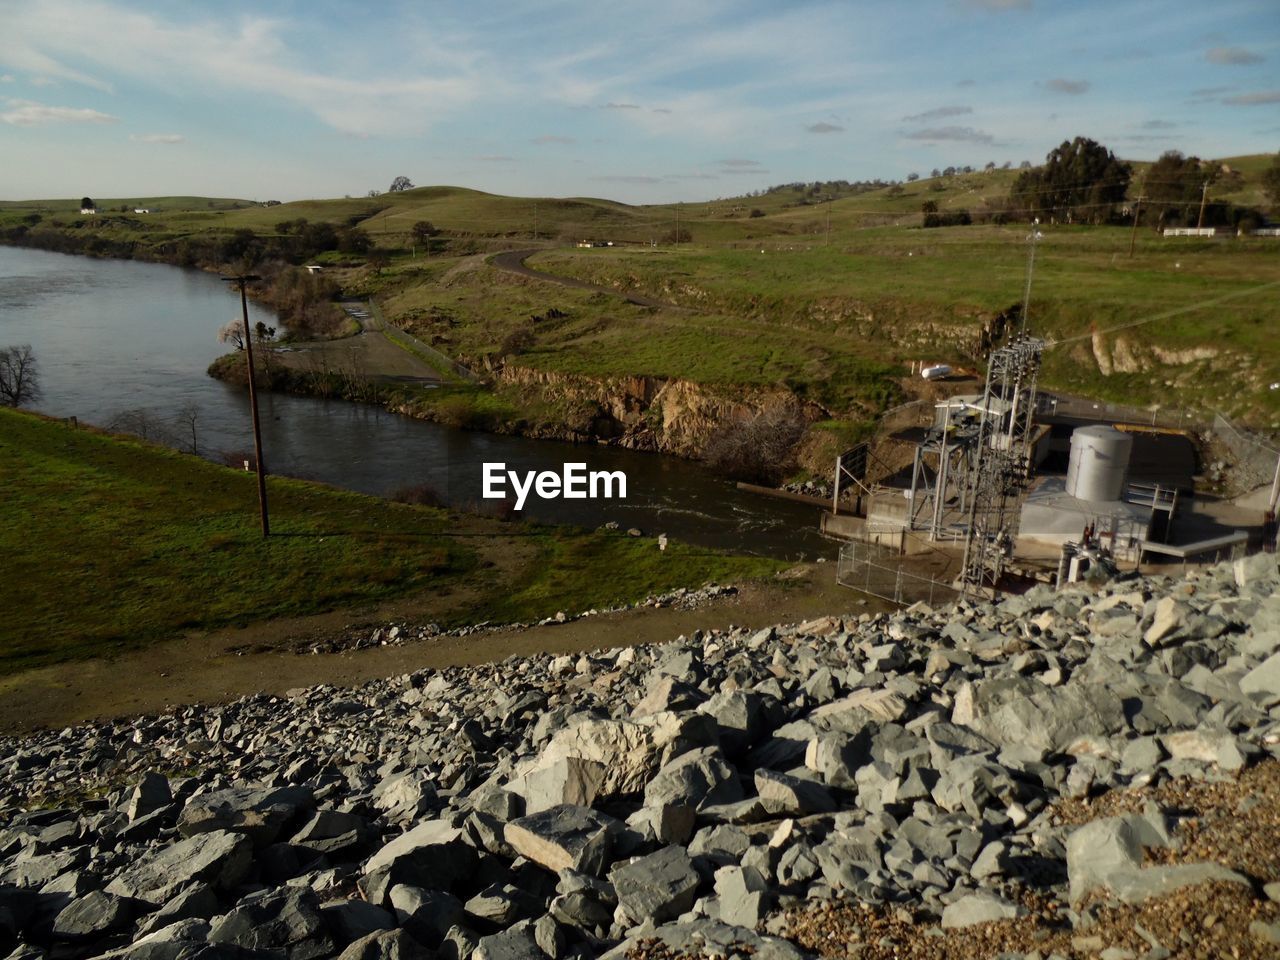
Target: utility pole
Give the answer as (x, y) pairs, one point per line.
(1031, 264)
(240, 281)
(1133, 234)
(1204, 195)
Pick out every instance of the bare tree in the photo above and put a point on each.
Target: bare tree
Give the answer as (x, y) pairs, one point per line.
(186, 419)
(143, 423)
(19, 377)
(759, 449)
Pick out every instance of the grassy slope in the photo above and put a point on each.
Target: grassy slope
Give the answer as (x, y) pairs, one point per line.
(110, 543)
(834, 322)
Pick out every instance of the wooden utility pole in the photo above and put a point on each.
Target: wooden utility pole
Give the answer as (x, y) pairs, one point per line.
(1204, 195)
(1133, 234)
(240, 281)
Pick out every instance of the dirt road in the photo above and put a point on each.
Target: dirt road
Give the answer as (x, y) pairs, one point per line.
(218, 666)
(512, 261)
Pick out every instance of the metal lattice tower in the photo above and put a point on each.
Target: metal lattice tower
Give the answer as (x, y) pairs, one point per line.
(1003, 461)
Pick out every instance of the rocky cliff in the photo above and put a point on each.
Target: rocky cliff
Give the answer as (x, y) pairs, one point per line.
(906, 785)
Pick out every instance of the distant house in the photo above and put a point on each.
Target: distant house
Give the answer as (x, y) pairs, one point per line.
(92, 211)
(141, 209)
(313, 268)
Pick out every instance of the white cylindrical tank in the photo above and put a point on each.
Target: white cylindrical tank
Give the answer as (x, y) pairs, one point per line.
(1099, 463)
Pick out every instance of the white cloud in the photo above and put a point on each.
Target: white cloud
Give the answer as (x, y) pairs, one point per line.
(28, 113)
(1070, 87)
(6, 78)
(1232, 56)
(959, 134)
(157, 137)
(938, 113)
(824, 127)
(548, 138)
(248, 54)
(1253, 99)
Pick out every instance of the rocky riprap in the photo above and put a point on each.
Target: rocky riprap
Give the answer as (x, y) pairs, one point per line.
(398, 634)
(664, 800)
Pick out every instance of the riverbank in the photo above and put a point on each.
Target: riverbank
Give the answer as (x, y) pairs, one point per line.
(114, 545)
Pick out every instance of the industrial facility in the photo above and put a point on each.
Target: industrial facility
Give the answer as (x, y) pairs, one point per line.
(1013, 486)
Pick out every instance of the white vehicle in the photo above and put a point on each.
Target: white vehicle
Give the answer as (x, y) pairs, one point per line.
(935, 371)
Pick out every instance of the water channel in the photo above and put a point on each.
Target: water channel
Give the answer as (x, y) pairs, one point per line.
(114, 336)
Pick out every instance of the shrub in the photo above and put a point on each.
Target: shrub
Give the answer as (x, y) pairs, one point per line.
(759, 449)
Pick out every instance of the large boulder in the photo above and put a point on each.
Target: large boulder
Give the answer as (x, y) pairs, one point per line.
(261, 813)
(287, 919)
(658, 887)
(1023, 712)
(432, 854)
(565, 837)
(220, 859)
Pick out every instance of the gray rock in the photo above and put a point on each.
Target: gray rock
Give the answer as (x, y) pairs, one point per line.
(1262, 683)
(565, 837)
(287, 919)
(259, 813)
(698, 779)
(791, 796)
(385, 945)
(517, 943)
(1020, 711)
(979, 908)
(352, 920)
(427, 914)
(432, 854)
(743, 894)
(549, 937)
(150, 794)
(93, 916)
(220, 859)
(658, 887)
(197, 902)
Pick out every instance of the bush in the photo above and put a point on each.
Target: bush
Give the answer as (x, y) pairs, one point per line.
(760, 449)
(418, 494)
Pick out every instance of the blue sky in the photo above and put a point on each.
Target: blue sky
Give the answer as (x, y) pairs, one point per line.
(638, 101)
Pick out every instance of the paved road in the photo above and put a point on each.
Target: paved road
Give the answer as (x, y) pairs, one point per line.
(512, 261)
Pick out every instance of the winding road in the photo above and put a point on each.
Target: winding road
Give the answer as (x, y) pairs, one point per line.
(512, 261)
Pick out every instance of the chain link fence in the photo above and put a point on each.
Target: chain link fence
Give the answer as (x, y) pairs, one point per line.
(880, 572)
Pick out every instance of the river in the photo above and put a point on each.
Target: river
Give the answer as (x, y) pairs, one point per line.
(115, 336)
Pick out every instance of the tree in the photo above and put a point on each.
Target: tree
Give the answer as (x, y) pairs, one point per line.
(912, 177)
(86, 203)
(1271, 182)
(423, 231)
(1175, 185)
(186, 418)
(19, 376)
(232, 332)
(400, 184)
(1081, 181)
(377, 260)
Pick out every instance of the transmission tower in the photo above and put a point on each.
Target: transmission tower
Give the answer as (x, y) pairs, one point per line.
(1003, 462)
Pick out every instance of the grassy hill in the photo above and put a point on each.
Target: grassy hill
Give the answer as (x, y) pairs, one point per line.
(110, 543)
(829, 300)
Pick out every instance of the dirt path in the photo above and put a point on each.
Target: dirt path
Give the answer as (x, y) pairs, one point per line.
(371, 353)
(210, 667)
(512, 261)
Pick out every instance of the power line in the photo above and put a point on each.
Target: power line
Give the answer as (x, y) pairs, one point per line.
(1177, 311)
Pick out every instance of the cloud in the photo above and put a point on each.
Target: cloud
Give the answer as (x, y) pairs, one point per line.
(1072, 87)
(1232, 56)
(693, 176)
(659, 110)
(6, 78)
(999, 6)
(628, 179)
(1253, 99)
(547, 138)
(955, 134)
(246, 54)
(824, 128)
(1157, 125)
(938, 113)
(965, 83)
(157, 137)
(28, 113)
(738, 163)
(620, 106)
(494, 158)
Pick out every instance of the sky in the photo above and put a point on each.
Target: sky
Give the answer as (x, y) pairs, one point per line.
(652, 101)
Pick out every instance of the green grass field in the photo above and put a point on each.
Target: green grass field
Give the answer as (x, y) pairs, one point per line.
(112, 544)
(830, 301)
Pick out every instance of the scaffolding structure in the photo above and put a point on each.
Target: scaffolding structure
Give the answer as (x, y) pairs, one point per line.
(1001, 463)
